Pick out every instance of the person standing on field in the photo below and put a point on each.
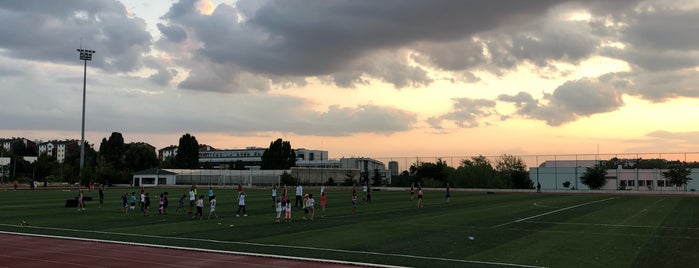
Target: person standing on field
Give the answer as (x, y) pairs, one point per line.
(323, 201)
(101, 194)
(412, 190)
(200, 207)
(81, 200)
(299, 195)
(274, 195)
(241, 205)
(192, 200)
(419, 197)
(212, 207)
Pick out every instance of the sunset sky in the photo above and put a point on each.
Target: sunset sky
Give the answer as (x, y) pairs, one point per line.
(358, 78)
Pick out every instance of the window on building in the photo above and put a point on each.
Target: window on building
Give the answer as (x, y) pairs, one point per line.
(641, 183)
(661, 183)
(631, 183)
(162, 180)
(649, 182)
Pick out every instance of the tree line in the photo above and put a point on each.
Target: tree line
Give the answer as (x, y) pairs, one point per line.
(116, 161)
(508, 172)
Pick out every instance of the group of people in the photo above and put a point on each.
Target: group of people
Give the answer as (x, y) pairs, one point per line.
(282, 206)
(129, 203)
(308, 203)
(81, 198)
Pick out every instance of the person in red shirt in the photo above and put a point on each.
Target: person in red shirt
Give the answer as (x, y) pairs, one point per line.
(323, 201)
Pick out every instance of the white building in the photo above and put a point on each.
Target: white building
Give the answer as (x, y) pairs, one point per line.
(58, 150)
(553, 174)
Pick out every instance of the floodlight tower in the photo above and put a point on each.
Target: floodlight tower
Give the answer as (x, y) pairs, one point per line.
(85, 55)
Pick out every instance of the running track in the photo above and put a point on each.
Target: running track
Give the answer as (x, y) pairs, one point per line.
(34, 251)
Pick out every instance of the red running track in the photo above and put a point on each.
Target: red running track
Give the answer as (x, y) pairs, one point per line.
(34, 251)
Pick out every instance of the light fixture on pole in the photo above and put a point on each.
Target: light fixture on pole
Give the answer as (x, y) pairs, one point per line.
(85, 55)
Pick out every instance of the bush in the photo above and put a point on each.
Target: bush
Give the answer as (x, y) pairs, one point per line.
(287, 179)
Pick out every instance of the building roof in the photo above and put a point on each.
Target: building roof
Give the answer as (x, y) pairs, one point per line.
(153, 171)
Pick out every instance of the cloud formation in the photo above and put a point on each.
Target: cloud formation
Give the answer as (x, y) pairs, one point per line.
(217, 70)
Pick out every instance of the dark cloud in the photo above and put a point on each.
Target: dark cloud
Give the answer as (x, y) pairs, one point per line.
(53, 30)
(298, 38)
(466, 113)
(172, 33)
(661, 28)
(570, 101)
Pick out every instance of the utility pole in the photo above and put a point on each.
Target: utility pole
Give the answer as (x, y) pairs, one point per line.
(85, 55)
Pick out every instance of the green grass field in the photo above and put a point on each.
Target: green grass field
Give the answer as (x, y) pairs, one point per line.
(508, 230)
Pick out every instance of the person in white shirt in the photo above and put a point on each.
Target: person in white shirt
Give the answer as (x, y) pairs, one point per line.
(192, 200)
(309, 205)
(274, 195)
(241, 205)
(212, 206)
(299, 195)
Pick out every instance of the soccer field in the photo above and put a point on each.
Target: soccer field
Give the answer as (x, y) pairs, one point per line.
(472, 230)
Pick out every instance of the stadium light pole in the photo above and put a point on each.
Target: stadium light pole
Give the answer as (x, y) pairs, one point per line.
(85, 55)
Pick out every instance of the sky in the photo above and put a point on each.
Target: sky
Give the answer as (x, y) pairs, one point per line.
(392, 78)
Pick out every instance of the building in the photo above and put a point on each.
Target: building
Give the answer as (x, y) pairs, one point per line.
(164, 153)
(19, 146)
(58, 150)
(393, 168)
(248, 158)
(552, 175)
(153, 177)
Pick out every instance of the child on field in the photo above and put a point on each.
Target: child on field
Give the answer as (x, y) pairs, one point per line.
(323, 201)
(305, 208)
(310, 204)
(161, 203)
(81, 201)
(200, 207)
(287, 205)
(419, 197)
(180, 203)
(279, 211)
(212, 206)
(354, 202)
(124, 202)
(241, 204)
(133, 201)
(146, 204)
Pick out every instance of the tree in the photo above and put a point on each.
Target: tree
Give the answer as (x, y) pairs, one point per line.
(438, 171)
(566, 184)
(105, 171)
(594, 177)
(187, 152)
(476, 172)
(72, 165)
(288, 179)
(513, 170)
(139, 156)
(279, 155)
(349, 178)
(678, 175)
(376, 178)
(112, 150)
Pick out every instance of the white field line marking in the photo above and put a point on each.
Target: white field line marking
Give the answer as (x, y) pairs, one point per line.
(543, 206)
(258, 244)
(554, 211)
(190, 249)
